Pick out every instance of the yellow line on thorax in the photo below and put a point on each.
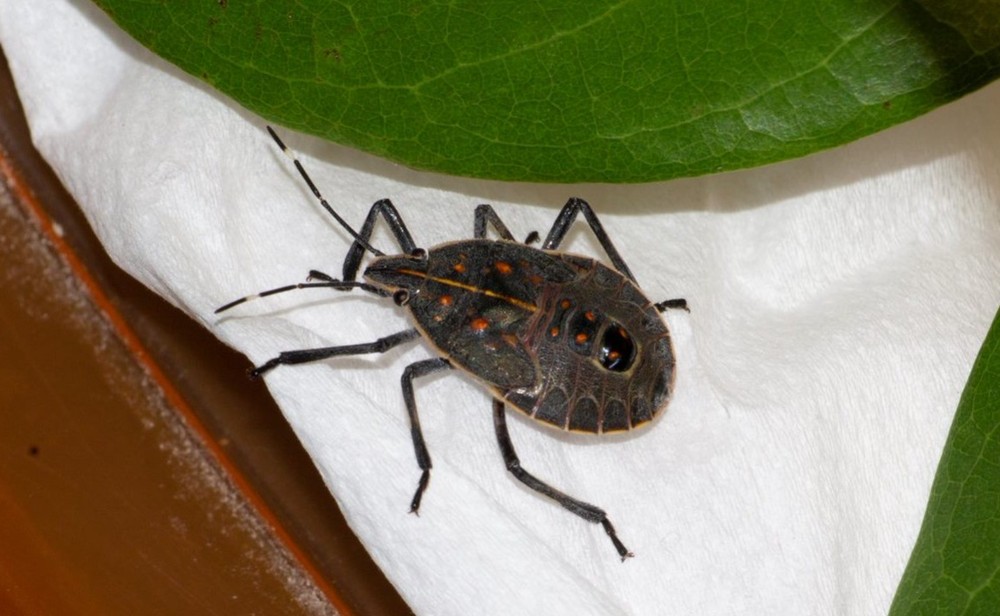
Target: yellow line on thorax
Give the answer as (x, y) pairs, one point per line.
(468, 287)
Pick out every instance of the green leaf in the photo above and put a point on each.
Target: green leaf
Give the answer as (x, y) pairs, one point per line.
(955, 566)
(579, 90)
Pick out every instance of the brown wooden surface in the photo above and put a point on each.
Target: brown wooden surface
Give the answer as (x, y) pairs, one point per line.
(112, 500)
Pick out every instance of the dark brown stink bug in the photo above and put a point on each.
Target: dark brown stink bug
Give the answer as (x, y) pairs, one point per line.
(565, 339)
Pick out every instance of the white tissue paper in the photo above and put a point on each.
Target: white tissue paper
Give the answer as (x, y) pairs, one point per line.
(837, 304)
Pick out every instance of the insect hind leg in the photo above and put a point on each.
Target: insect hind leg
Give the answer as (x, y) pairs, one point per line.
(565, 219)
(584, 510)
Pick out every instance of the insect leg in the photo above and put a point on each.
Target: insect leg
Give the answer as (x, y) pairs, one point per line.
(486, 214)
(411, 372)
(305, 356)
(584, 510)
(565, 219)
(668, 304)
(388, 212)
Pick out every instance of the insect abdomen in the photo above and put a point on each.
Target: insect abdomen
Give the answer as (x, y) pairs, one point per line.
(606, 356)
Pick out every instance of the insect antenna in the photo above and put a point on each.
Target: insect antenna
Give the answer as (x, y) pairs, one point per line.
(328, 282)
(322, 201)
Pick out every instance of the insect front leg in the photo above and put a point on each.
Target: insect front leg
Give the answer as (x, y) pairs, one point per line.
(565, 219)
(584, 510)
(390, 214)
(411, 372)
(305, 356)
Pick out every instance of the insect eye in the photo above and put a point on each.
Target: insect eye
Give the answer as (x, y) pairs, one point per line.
(617, 349)
(401, 297)
(419, 253)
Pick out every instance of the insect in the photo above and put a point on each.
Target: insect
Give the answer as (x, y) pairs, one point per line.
(565, 339)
